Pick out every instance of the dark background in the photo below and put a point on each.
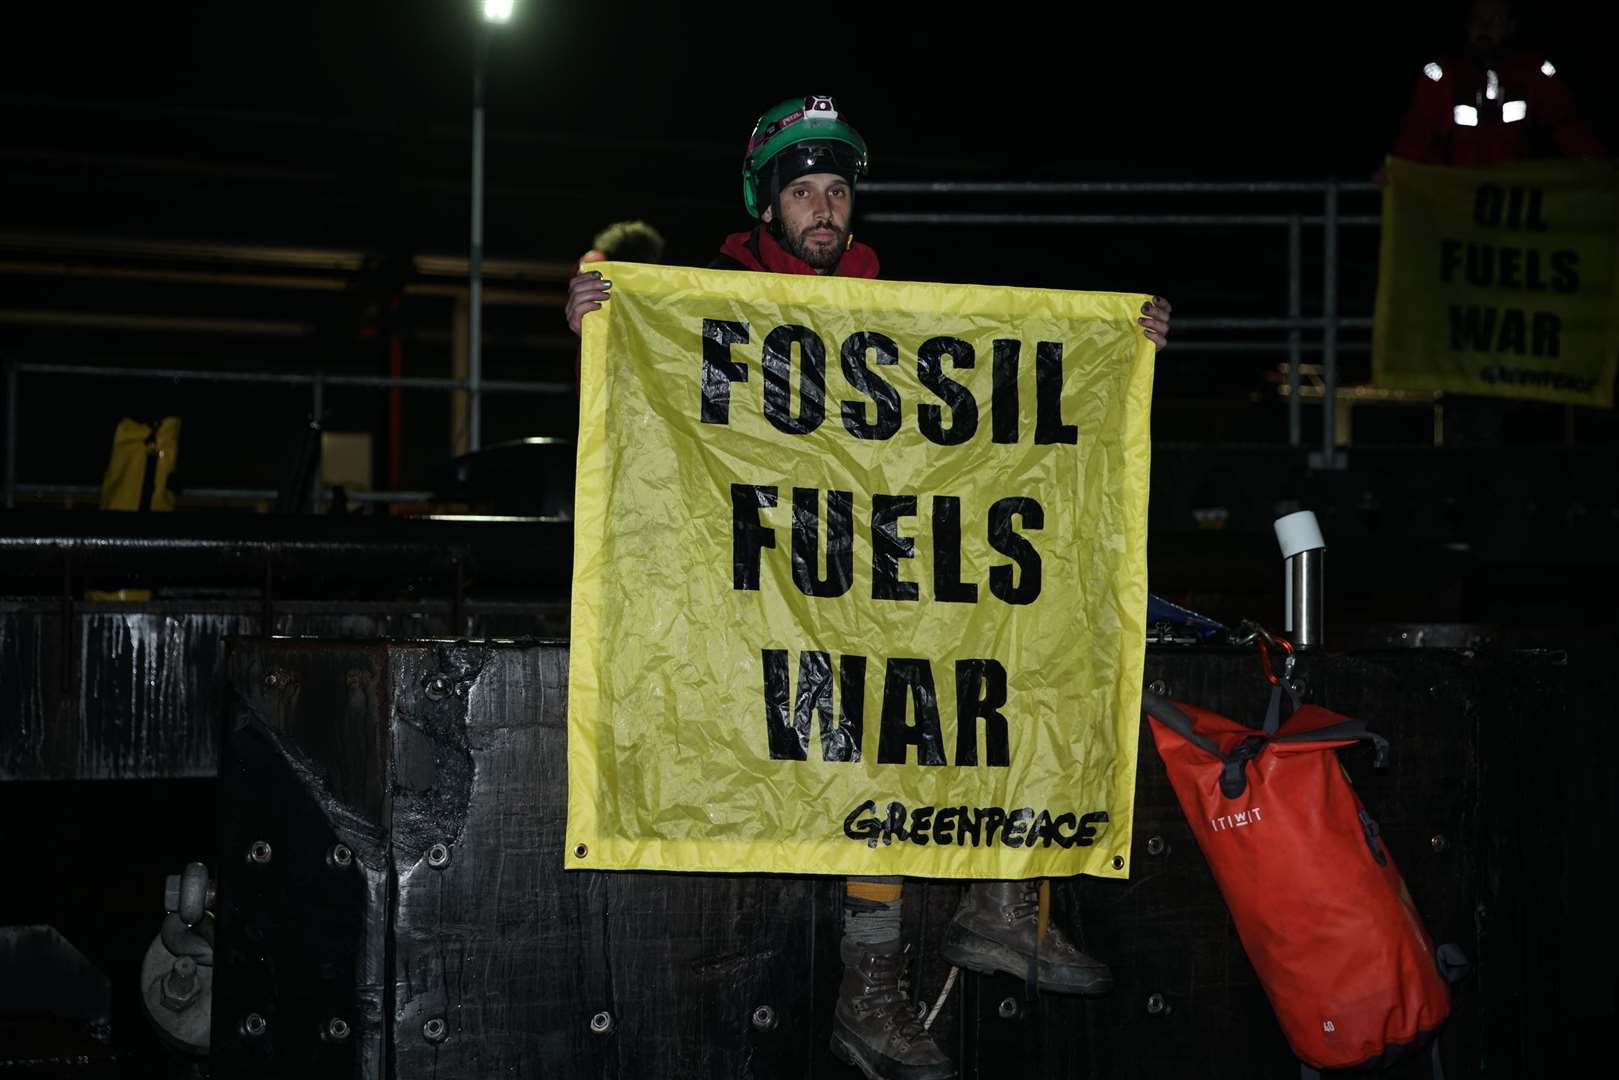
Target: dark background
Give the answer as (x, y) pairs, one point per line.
(346, 126)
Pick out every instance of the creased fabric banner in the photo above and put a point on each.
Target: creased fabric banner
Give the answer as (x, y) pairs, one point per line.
(1500, 281)
(859, 577)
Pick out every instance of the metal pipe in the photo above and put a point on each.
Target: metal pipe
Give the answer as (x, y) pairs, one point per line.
(490, 386)
(1194, 345)
(1242, 322)
(1295, 310)
(317, 259)
(1103, 187)
(976, 218)
(409, 382)
(428, 382)
(174, 277)
(249, 494)
(1329, 345)
(396, 397)
(40, 551)
(303, 258)
(243, 494)
(458, 370)
(475, 258)
(1304, 561)
(11, 436)
(1304, 616)
(94, 320)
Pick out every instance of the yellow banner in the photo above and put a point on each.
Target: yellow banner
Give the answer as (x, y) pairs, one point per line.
(859, 577)
(1500, 281)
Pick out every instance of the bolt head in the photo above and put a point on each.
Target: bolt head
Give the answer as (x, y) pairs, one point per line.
(180, 986)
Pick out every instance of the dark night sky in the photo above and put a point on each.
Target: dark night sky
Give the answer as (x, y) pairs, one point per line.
(1071, 89)
(345, 124)
(599, 111)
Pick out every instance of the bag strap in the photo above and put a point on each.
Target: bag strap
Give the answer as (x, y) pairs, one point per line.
(1436, 1064)
(1453, 962)
(1233, 778)
(1346, 731)
(1273, 709)
(1165, 712)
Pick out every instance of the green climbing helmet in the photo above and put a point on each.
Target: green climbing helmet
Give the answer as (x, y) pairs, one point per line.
(798, 137)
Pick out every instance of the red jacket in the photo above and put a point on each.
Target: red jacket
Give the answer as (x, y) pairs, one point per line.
(758, 250)
(1474, 115)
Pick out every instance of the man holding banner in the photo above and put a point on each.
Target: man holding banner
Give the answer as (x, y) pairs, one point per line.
(702, 603)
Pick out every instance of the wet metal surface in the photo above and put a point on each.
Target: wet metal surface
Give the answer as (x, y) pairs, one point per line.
(137, 691)
(504, 964)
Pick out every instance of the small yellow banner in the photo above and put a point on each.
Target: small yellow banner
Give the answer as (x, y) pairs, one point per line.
(1500, 281)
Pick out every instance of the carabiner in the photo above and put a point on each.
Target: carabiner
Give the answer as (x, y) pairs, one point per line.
(1271, 677)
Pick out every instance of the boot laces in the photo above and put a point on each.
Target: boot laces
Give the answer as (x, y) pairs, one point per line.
(1027, 904)
(888, 996)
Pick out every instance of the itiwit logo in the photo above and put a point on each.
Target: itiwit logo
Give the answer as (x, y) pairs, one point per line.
(1240, 820)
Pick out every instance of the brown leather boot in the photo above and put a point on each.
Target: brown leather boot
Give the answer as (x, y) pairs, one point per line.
(875, 1027)
(994, 930)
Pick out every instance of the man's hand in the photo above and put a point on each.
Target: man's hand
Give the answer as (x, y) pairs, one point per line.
(586, 292)
(1155, 320)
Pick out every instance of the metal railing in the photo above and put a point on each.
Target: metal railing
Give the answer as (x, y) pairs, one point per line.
(1281, 334)
(1330, 220)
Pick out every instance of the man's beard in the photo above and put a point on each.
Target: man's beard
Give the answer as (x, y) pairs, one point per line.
(821, 258)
